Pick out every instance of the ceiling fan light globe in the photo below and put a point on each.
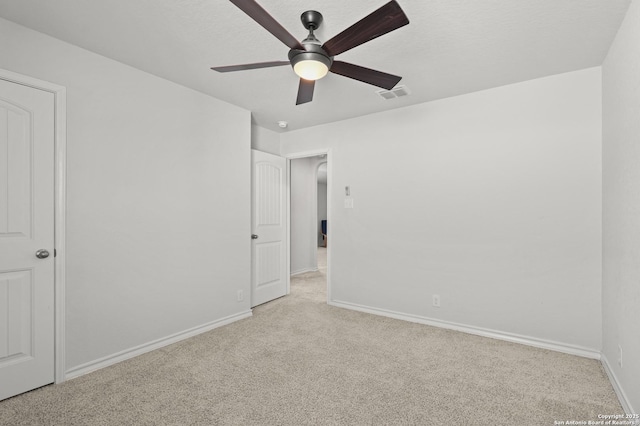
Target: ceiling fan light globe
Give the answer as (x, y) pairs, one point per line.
(310, 69)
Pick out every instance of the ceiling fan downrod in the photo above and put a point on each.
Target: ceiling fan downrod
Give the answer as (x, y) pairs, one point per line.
(311, 20)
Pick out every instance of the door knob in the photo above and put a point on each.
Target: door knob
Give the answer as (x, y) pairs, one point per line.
(254, 237)
(42, 254)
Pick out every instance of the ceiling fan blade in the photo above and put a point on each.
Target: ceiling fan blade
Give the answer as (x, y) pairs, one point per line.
(305, 91)
(254, 66)
(386, 19)
(262, 17)
(366, 75)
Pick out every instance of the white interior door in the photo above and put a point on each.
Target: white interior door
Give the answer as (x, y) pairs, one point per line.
(26, 226)
(269, 265)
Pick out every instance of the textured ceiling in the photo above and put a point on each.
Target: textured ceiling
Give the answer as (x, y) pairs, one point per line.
(449, 48)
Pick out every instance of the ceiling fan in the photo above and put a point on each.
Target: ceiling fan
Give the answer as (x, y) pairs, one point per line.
(312, 60)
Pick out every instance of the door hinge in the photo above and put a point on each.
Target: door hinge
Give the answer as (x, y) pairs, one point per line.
(55, 253)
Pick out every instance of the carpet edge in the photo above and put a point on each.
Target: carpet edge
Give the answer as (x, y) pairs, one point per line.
(153, 345)
(478, 331)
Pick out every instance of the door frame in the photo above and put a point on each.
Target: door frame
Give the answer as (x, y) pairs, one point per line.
(294, 156)
(60, 196)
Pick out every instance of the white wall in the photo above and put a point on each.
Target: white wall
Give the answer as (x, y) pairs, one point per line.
(621, 207)
(153, 248)
(265, 140)
(491, 200)
(303, 231)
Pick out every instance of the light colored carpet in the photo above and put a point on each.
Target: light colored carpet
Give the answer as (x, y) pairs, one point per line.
(299, 361)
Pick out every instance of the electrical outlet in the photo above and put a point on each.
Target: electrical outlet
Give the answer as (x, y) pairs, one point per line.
(240, 295)
(436, 300)
(620, 356)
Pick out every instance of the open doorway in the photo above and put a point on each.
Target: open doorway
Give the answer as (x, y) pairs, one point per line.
(321, 217)
(309, 216)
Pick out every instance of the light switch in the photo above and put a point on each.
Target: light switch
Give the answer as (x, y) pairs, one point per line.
(348, 203)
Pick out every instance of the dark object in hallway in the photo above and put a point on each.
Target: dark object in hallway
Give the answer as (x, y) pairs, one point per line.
(323, 225)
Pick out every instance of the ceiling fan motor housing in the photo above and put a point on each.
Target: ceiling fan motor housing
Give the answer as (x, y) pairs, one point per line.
(311, 52)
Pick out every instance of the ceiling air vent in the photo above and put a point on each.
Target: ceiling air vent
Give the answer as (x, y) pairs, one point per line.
(396, 92)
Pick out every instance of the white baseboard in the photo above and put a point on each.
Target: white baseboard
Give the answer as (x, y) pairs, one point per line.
(478, 331)
(150, 346)
(622, 397)
(304, 271)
